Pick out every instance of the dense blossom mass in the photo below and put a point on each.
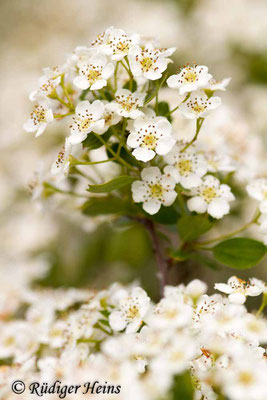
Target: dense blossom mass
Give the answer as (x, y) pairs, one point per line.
(119, 336)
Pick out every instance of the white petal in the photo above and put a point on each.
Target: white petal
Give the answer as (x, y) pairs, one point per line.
(223, 287)
(151, 206)
(97, 109)
(99, 84)
(116, 320)
(139, 191)
(165, 145)
(151, 174)
(98, 126)
(29, 126)
(41, 128)
(190, 181)
(169, 197)
(143, 154)
(218, 208)
(172, 81)
(108, 70)
(81, 82)
(82, 107)
(197, 204)
(132, 140)
(237, 298)
(164, 127)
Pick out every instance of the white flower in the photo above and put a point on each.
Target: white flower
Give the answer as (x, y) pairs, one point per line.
(110, 117)
(219, 162)
(258, 189)
(245, 379)
(61, 166)
(150, 136)
(211, 197)
(239, 289)
(126, 103)
(154, 189)
(187, 167)
(214, 85)
(130, 310)
(115, 43)
(88, 118)
(48, 82)
(170, 312)
(199, 105)
(41, 115)
(148, 62)
(94, 72)
(189, 79)
(196, 288)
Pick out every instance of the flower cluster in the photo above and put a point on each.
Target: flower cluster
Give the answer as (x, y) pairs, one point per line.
(76, 336)
(111, 91)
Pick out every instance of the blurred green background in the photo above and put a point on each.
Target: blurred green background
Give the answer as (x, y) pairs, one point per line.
(229, 37)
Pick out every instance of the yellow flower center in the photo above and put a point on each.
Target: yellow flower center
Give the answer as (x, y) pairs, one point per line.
(133, 312)
(190, 76)
(146, 64)
(156, 190)
(93, 76)
(150, 141)
(198, 108)
(209, 194)
(245, 378)
(84, 124)
(184, 166)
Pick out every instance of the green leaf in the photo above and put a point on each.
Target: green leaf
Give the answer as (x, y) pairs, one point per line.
(114, 184)
(103, 205)
(240, 253)
(164, 109)
(190, 227)
(92, 142)
(128, 85)
(182, 388)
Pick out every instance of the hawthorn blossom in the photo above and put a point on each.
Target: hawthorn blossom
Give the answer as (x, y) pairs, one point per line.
(48, 82)
(154, 190)
(258, 190)
(211, 197)
(127, 104)
(148, 62)
(189, 79)
(94, 72)
(214, 85)
(61, 165)
(239, 289)
(186, 167)
(110, 116)
(115, 43)
(150, 136)
(199, 105)
(130, 311)
(88, 118)
(41, 115)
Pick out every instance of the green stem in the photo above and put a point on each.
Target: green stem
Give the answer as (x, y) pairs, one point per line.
(69, 192)
(198, 127)
(157, 90)
(229, 235)
(115, 77)
(115, 155)
(263, 304)
(63, 115)
(74, 161)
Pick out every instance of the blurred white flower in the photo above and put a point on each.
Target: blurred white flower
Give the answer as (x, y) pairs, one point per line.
(130, 311)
